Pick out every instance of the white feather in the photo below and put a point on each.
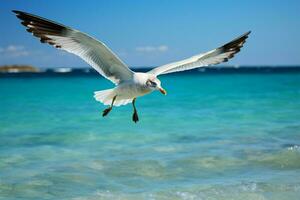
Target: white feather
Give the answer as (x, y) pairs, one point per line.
(216, 56)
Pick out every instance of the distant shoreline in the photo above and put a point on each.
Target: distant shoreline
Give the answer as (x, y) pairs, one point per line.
(18, 69)
(24, 70)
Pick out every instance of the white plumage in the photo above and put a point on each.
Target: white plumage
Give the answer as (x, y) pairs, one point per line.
(129, 84)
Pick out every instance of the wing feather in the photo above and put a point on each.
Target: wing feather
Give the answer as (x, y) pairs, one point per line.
(216, 56)
(94, 52)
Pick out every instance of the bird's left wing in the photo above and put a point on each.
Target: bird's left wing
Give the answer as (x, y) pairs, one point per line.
(94, 52)
(216, 56)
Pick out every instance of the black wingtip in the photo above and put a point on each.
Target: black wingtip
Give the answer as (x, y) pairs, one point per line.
(245, 35)
(16, 11)
(248, 32)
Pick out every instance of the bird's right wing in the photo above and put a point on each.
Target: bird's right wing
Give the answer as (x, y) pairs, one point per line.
(94, 52)
(216, 56)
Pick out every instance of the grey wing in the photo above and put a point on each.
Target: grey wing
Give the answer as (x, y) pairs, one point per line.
(94, 52)
(216, 56)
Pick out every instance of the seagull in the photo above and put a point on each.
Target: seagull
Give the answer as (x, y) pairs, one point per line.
(129, 84)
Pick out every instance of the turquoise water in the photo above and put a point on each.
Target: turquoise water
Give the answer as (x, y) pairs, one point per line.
(217, 136)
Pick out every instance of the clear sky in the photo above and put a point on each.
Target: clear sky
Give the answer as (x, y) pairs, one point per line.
(151, 33)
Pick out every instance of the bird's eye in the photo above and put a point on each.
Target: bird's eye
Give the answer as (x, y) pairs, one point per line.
(151, 83)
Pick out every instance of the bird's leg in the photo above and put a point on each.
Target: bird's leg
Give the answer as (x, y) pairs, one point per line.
(135, 116)
(107, 110)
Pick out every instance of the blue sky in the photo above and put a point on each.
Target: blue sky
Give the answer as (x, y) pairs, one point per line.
(151, 33)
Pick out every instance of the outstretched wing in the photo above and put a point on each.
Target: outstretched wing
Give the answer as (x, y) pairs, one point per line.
(94, 52)
(216, 56)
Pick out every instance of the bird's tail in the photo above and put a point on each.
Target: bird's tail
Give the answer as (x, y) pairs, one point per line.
(106, 97)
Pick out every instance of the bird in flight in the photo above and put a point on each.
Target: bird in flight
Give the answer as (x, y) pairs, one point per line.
(129, 84)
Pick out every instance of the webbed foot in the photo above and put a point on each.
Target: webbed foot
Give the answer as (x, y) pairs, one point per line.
(106, 111)
(135, 117)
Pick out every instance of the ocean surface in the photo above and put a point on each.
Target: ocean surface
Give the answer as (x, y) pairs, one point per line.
(214, 136)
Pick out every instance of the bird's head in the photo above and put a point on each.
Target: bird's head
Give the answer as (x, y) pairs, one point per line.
(154, 84)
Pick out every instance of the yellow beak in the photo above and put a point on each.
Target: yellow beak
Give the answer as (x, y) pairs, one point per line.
(163, 91)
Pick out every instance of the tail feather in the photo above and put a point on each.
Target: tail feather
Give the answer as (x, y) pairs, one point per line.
(106, 97)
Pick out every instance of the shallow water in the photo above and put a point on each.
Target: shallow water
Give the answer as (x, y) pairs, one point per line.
(224, 136)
